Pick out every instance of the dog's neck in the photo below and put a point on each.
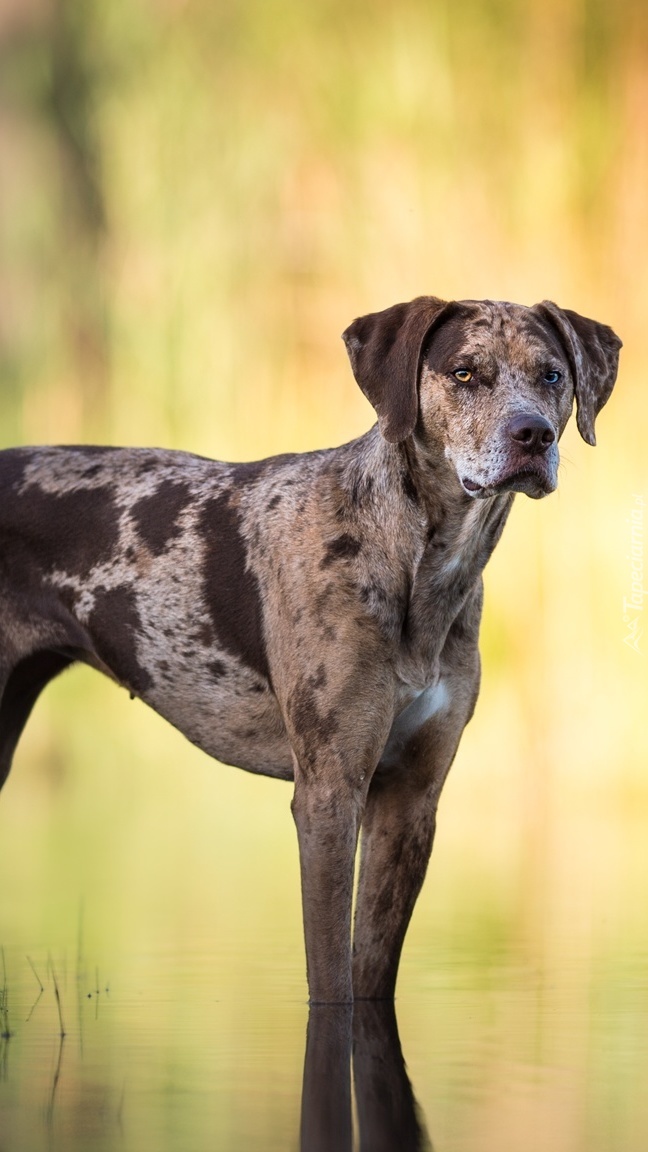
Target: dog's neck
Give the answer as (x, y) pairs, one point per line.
(460, 535)
(440, 539)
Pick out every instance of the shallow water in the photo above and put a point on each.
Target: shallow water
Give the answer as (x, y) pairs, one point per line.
(132, 865)
(490, 1053)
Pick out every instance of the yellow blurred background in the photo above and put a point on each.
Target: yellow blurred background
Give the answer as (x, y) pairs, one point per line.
(196, 198)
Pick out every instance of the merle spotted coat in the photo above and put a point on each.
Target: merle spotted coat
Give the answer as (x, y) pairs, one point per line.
(312, 617)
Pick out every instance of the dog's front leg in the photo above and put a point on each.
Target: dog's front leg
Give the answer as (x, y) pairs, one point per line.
(327, 815)
(397, 835)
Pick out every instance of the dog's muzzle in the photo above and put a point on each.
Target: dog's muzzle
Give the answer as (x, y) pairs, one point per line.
(532, 460)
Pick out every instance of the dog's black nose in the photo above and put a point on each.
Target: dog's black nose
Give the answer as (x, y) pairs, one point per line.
(533, 434)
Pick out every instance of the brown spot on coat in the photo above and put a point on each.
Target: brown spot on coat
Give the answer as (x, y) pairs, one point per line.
(409, 488)
(114, 624)
(205, 634)
(156, 516)
(343, 547)
(231, 589)
(81, 526)
(315, 728)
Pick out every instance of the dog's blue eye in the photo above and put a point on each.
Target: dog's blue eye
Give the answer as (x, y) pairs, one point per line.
(463, 375)
(551, 377)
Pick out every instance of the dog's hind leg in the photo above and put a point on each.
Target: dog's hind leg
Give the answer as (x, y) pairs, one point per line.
(20, 687)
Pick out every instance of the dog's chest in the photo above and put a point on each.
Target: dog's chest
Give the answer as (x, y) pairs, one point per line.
(417, 709)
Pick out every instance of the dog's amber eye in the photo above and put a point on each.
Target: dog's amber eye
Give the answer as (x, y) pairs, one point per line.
(463, 375)
(551, 377)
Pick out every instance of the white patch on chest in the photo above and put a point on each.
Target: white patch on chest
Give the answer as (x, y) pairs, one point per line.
(452, 565)
(428, 703)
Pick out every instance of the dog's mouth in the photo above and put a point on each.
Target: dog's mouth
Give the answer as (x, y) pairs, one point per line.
(532, 481)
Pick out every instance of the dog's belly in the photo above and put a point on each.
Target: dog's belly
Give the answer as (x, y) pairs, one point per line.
(244, 729)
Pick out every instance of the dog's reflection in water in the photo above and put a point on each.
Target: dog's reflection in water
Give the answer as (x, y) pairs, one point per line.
(365, 1036)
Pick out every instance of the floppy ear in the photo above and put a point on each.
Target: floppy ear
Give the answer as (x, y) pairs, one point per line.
(385, 352)
(593, 353)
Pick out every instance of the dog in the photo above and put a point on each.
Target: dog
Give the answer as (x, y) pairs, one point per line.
(312, 617)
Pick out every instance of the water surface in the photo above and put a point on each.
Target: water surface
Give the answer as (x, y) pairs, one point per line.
(492, 1052)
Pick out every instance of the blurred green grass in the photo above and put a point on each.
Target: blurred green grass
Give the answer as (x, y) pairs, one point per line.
(197, 199)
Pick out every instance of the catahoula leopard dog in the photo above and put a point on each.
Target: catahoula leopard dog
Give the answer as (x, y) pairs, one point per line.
(312, 617)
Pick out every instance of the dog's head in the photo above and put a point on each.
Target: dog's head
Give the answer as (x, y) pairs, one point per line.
(490, 384)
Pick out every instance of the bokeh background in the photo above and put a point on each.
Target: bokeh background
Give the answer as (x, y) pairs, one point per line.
(196, 198)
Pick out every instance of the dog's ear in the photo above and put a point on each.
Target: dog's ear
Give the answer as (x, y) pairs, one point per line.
(593, 353)
(385, 352)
